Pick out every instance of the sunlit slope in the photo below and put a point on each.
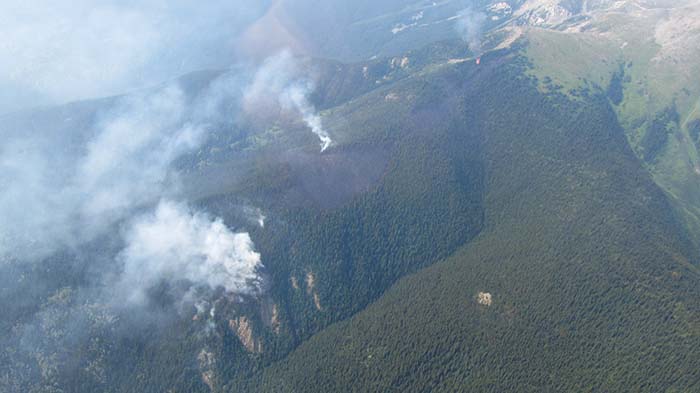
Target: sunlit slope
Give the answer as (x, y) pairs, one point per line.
(591, 281)
(645, 55)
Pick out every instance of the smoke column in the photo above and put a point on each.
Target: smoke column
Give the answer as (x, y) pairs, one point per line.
(470, 25)
(85, 185)
(175, 243)
(78, 185)
(298, 97)
(282, 77)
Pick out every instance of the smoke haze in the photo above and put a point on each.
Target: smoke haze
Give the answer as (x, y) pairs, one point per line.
(93, 192)
(80, 192)
(81, 187)
(174, 243)
(470, 26)
(53, 52)
(282, 82)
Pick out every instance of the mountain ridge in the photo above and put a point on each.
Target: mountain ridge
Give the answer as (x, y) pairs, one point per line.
(410, 339)
(525, 222)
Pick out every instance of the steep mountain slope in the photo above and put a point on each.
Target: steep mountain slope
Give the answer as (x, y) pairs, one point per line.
(337, 237)
(529, 223)
(341, 227)
(582, 280)
(644, 53)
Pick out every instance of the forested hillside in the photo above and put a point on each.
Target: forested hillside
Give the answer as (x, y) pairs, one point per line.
(592, 283)
(378, 196)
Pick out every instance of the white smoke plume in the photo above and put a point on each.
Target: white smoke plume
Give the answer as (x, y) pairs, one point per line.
(255, 215)
(129, 163)
(282, 79)
(470, 26)
(175, 243)
(297, 95)
(74, 191)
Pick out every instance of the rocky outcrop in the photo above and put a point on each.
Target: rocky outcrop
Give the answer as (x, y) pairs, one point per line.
(270, 313)
(484, 298)
(206, 362)
(275, 320)
(311, 290)
(243, 329)
(310, 283)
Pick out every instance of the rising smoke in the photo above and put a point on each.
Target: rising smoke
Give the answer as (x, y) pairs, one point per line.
(282, 80)
(125, 163)
(81, 187)
(107, 187)
(255, 215)
(470, 26)
(80, 190)
(175, 243)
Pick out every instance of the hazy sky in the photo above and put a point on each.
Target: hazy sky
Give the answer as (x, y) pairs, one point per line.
(58, 51)
(112, 174)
